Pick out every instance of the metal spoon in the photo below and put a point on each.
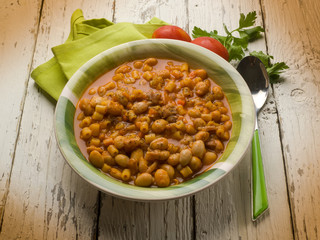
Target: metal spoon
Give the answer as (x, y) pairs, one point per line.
(256, 76)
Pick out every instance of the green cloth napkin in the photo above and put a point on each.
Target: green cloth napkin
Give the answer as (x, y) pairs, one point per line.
(87, 38)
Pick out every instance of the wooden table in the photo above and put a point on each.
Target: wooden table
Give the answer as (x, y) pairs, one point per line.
(42, 198)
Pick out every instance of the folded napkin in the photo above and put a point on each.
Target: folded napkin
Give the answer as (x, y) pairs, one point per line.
(87, 38)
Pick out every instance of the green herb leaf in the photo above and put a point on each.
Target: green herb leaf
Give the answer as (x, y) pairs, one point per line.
(198, 32)
(251, 33)
(264, 58)
(273, 69)
(247, 21)
(235, 52)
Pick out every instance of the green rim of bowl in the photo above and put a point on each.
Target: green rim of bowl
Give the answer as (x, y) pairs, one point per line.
(218, 69)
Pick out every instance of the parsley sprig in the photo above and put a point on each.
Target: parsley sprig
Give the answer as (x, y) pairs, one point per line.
(237, 45)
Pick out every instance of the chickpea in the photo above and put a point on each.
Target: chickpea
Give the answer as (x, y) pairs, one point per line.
(159, 143)
(186, 140)
(147, 67)
(198, 122)
(115, 108)
(80, 116)
(85, 133)
(147, 75)
(122, 160)
(104, 124)
(159, 126)
(116, 173)
(123, 69)
(131, 143)
(185, 157)
(102, 91)
(138, 64)
(195, 164)
(106, 168)
(199, 73)
(144, 127)
(164, 73)
(169, 169)
(177, 74)
(126, 175)
(224, 118)
(207, 117)
(96, 159)
(85, 122)
(217, 93)
(190, 129)
(140, 107)
(178, 135)
(170, 86)
(220, 131)
(107, 158)
(174, 159)
(227, 125)
(181, 110)
(135, 74)
(209, 158)
(119, 142)
(143, 165)
(151, 61)
(107, 141)
(95, 129)
(95, 142)
(144, 180)
(83, 103)
(210, 106)
(92, 91)
(157, 155)
(198, 149)
(133, 165)
(202, 135)
(89, 110)
(162, 178)
(150, 137)
(201, 88)
(218, 146)
(173, 149)
(216, 116)
(226, 136)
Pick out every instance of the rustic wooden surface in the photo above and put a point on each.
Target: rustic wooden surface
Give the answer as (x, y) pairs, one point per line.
(42, 198)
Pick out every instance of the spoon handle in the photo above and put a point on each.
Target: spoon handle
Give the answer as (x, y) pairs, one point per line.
(259, 192)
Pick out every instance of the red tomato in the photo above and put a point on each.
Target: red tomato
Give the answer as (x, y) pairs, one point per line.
(171, 32)
(213, 45)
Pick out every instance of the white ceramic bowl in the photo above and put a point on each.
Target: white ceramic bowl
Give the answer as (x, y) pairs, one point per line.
(218, 69)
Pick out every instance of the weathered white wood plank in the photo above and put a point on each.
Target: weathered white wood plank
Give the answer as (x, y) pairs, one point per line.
(47, 200)
(164, 220)
(17, 41)
(293, 36)
(224, 211)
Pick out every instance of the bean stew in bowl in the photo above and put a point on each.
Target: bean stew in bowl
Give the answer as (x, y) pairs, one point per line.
(154, 119)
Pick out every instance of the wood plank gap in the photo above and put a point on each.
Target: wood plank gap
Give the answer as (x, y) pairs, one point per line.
(20, 119)
(98, 216)
(194, 233)
(292, 215)
(114, 10)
